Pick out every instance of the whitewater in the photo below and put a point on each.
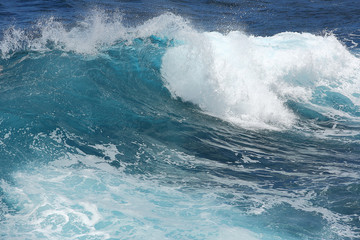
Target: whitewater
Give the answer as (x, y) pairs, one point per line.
(161, 129)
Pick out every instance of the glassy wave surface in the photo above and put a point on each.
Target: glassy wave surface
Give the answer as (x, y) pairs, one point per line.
(162, 128)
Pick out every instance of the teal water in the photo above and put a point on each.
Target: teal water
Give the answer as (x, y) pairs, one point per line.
(164, 128)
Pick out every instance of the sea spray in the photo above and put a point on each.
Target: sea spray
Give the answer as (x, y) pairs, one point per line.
(248, 80)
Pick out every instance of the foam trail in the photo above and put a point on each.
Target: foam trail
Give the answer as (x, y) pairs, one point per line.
(98, 202)
(81, 196)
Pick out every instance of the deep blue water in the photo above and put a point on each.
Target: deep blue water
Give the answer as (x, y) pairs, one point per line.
(179, 119)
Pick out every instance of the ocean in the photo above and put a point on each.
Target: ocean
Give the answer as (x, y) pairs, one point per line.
(178, 119)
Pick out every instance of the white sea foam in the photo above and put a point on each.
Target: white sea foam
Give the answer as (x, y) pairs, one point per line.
(248, 79)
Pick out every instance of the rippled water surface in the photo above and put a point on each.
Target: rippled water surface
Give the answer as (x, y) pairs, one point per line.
(179, 119)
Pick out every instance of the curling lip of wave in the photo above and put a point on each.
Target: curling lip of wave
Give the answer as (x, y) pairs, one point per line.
(248, 80)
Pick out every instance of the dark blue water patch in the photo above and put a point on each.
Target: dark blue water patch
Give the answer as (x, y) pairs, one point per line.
(25, 13)
(342, 199)
(345, 199)
(232, 4)
(264, 150)
(315, 223)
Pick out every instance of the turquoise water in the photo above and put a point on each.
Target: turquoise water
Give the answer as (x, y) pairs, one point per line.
(179, 120)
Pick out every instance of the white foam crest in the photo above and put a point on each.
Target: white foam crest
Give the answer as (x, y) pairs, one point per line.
(13, 40)
(248, 79)
(96, 30)
(166, 25)
(89, 36)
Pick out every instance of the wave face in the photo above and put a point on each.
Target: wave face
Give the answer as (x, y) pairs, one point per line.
(248, 80)
(162, 131)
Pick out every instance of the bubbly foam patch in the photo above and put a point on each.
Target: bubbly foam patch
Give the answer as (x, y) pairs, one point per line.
(175, 196)
(248, 79)
(96, 201)
(55, 202)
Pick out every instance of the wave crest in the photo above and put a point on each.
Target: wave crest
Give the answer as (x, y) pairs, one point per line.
(245, 79)
(90, 36)
(249, 80)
